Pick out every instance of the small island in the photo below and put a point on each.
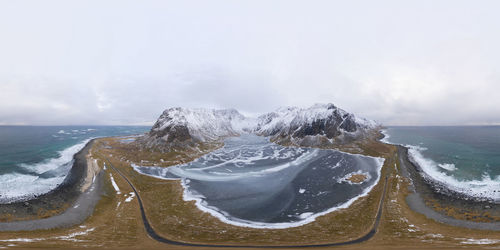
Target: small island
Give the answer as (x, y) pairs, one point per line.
(357, 178)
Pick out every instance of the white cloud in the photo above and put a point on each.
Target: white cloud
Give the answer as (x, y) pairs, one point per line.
(123, 62)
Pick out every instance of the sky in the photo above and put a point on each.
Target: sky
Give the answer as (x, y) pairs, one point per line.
(106, 62)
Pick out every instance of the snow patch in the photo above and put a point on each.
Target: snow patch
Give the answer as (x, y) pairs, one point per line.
(71, 236)
(117, 189)
(68, 237)
(479, 241)
(131, 197)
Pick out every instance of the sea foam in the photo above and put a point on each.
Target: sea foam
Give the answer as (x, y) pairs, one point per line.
(486, 188)
(17, 186)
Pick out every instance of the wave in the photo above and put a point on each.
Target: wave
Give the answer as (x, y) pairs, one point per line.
(42, 178)
(65, 157)
(386, 136)
(485, 188)
(16, 187)
(447, 166)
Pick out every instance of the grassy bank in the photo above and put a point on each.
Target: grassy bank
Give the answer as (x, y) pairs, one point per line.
(117, 223)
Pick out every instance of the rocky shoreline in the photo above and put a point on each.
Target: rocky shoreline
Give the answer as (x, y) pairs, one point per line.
(68, 204)
(440, 204)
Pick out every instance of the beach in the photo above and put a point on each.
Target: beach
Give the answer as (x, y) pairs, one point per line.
(117, 221)
(68, 204)
(423, 196)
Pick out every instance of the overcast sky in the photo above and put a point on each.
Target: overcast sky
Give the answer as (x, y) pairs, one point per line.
(124, 62)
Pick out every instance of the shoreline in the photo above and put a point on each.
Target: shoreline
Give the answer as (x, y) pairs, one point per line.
(68, 204)
(421, 192)
(176, 242)
(441, 187)
(186, 223)
(224, 217)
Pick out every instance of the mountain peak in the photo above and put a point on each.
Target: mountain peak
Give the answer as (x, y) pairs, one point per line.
(179, 126)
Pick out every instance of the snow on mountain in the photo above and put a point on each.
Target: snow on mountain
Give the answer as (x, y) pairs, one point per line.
(301, 126)
(202, 124)
(320, 119)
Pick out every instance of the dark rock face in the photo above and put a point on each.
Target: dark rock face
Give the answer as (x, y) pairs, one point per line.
(318, 125)
(330, 127)
(180, 128)
(172, 133)
(179, 132)
(315, 126)
(168, 139)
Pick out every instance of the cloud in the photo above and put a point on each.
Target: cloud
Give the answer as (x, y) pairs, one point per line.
(120, 62)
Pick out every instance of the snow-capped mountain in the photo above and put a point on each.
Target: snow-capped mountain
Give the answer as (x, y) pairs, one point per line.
(313, 126)
(316, 125)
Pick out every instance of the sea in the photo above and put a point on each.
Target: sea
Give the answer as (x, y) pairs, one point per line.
(253, 182)
(464, 159)
(35, 159)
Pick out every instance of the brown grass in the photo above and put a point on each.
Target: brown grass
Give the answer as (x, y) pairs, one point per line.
(357, 178)
(118, 224)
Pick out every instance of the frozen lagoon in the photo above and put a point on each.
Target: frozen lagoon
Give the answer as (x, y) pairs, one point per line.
(252, 182)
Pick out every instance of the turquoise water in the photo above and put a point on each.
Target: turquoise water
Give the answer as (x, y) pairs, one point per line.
(466, 159)
(34, 160)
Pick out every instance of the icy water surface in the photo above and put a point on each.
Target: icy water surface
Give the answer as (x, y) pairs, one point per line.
(253, 182)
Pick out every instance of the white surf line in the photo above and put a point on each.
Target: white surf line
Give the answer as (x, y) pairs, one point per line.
(117, 189)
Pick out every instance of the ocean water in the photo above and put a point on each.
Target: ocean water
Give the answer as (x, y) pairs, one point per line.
(255, 183)
(465, 159)
(35, 159)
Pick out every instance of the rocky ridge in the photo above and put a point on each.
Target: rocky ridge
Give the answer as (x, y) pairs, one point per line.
(320, 124)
